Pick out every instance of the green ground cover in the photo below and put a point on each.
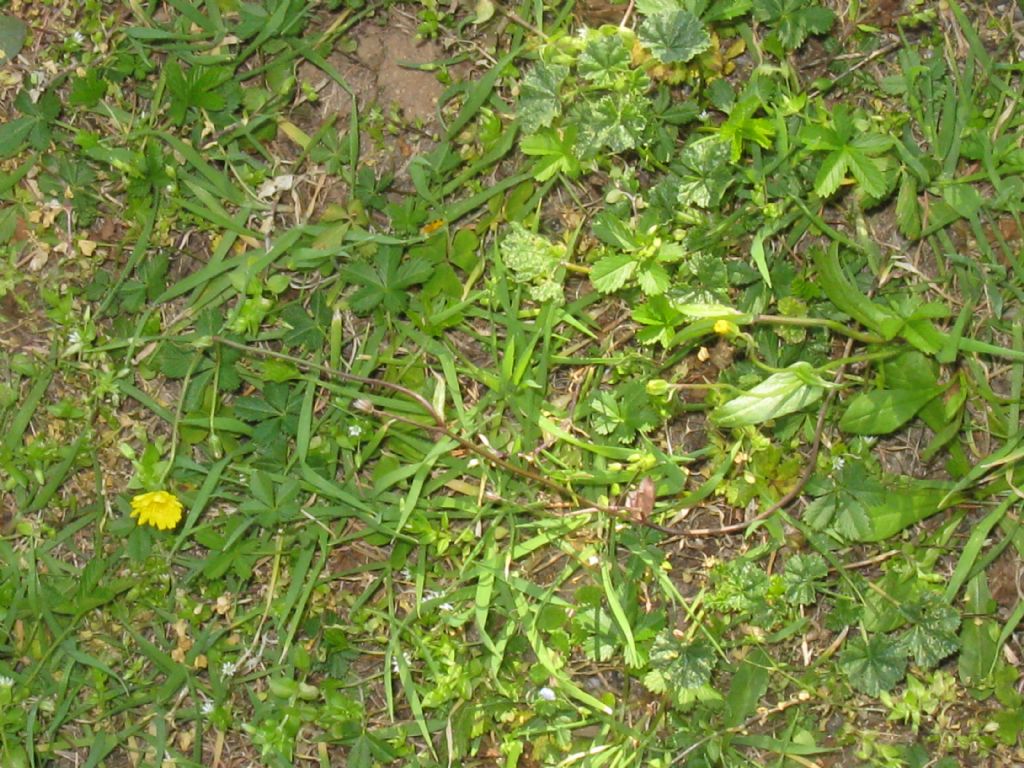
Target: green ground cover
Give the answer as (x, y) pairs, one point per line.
(528, 385)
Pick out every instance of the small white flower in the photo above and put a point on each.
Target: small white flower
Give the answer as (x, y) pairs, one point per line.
(394, 661)
(446, 607)
(703, 115)
(228, 669)
(547, 694)
(206, 708)
(78, 37)
(6, 682)
(355, 430)
(838, 462)
(74, 337)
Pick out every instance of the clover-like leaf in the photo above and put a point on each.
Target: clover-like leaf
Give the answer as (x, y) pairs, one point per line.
(674, 36)
(873, 665)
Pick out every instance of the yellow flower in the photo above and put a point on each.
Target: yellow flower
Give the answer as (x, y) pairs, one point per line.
(158, 508)
(725, 327)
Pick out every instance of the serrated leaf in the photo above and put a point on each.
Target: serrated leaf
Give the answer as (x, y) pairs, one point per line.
(867, 172)
(873, 665)
(884, 410)
(674, 36)
(611, 230)
(416, 270)
(612, 271)
(831, 174)
(528, 255)
(852, 520)
(653, 279)
(780, 394)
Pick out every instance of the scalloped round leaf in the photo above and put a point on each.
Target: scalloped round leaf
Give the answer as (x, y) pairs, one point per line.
(674, 36)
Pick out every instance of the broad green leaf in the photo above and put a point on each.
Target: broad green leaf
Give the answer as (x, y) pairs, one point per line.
(884, 410)
(748, 686)
(757, 254)
(12, 37)
(778, 395)
(674, 36)
(963, 198)
(979, 647)
(483, 12)
(13, 135)
(651, 7)
(910, 370)
(873, 665)
(612, 271)
(792, 21)
(900, 504)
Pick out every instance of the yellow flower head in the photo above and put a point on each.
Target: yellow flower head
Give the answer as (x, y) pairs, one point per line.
(158, 508)
(725, 327)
